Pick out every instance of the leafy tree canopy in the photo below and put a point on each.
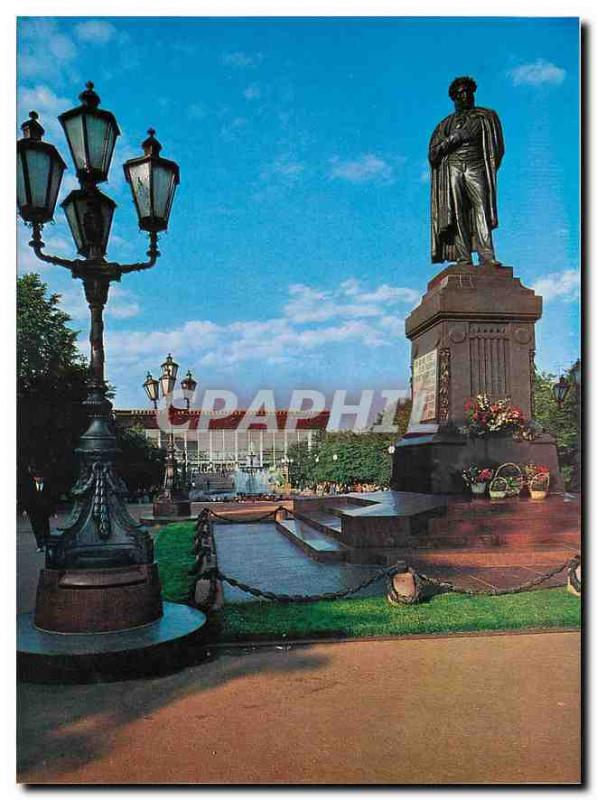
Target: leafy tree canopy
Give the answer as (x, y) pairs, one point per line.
(361, 457)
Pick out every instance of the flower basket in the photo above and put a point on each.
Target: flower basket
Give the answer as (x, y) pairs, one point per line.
(539, 486)
(498, 488)
(477, 478)
(513, 476)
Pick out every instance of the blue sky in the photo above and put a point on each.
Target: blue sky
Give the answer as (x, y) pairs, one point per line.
(299, 237)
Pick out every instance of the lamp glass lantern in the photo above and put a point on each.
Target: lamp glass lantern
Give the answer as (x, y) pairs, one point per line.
(89, 214)
(39, 173)
(153, 181)
(188, 383)
(91, 134)
(152, 387)
(168, 376)
(560, 390)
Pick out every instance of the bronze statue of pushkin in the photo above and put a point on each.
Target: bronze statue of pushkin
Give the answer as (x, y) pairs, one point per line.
(465, 153)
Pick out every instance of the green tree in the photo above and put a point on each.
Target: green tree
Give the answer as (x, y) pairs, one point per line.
(361, 457)
(51, 377)
(140, 463)
(51, 388)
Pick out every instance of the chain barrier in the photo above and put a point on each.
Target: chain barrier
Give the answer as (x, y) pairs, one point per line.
(570, 564)
(308, 598)
(206, 568)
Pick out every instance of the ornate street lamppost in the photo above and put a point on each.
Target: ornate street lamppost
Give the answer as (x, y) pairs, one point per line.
(173, 500)
(100, 573)
(560, 390)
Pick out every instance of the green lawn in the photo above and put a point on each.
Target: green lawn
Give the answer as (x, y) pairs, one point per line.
(373, 616)
(369, 616)
(174, 554)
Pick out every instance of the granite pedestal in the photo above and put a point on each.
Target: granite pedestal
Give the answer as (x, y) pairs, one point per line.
(473, 333)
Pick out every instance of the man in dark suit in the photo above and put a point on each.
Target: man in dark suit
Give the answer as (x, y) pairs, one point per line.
(39, 507)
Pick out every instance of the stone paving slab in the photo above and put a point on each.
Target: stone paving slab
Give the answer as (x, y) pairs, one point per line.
(258, 554)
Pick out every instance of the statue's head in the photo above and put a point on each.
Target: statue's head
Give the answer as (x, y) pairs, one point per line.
(462, 91)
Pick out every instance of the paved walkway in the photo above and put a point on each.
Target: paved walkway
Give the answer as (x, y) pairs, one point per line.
(490, 709)
(258, 554)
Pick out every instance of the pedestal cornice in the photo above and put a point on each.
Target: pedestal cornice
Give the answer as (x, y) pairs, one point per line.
(489, 293)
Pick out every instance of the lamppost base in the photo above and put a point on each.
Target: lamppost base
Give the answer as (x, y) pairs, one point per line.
(97, 600)
(170, 507)
(173, 641)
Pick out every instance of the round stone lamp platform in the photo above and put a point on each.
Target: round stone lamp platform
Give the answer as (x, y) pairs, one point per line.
(163, 645)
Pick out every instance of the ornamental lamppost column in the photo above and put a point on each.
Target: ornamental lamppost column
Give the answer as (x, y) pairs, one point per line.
(100, 573)
(173, 500)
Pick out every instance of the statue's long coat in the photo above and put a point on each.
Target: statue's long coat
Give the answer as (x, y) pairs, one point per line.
(443, 213)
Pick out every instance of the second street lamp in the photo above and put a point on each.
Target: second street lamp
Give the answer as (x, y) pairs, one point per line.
(173, 500)
(100, 573)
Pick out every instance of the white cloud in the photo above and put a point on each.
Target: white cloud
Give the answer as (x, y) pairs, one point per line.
(252, 92)
(368, 167)
(283, 171)
(48, 105)
(96, 31)
(242, 60)
(312, 320)
(537, 73)
(348, 301)
(559, 286)
(44, 50)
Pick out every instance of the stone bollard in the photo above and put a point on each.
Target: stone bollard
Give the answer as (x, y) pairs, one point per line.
(574, 580)
(407, 588)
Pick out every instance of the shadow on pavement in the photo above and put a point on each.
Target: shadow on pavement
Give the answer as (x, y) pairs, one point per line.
(60, 728)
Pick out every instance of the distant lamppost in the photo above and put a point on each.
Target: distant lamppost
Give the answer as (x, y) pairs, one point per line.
(84, 586)
(173, 500)
(560, 390)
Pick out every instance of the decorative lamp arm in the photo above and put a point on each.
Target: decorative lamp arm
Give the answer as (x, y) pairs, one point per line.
(80, 267)
(153, 254)
(38, 244)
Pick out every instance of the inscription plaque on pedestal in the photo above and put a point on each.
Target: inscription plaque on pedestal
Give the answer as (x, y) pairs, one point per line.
(424, 406)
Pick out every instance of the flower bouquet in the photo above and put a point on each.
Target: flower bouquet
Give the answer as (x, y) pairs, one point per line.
(487, 416)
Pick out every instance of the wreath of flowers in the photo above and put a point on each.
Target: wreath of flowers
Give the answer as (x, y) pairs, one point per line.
(487, 416)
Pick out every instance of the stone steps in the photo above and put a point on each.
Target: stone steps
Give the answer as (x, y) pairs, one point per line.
(312, 541)
(325, 523)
